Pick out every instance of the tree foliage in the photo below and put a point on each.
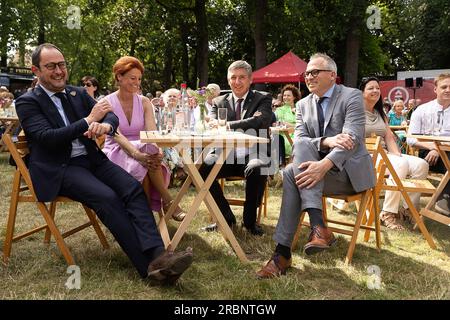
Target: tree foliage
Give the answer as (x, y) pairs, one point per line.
(196, 40)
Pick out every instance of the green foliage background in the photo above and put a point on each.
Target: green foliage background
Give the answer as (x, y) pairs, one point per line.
(164, 34)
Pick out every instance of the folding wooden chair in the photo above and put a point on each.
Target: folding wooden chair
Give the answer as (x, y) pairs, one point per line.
(367, 208)
(394, 183)
(17, 150)
(240, 202)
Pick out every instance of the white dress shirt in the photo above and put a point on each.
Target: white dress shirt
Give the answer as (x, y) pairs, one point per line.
(426, 117)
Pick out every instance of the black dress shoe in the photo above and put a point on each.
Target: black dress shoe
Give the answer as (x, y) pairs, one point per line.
(256, 230)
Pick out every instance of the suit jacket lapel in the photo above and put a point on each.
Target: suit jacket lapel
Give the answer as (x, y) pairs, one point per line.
(331, 105)
(49, 108)
(313, 119)
(231, 115)
(248, 104)
(73, 103)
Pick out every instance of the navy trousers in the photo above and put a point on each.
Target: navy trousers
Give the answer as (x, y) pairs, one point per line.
(120, 203)
(254, 186)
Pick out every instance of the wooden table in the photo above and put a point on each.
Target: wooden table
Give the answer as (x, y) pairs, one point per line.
(284, 130)
(404, 145)
(10, 123)
(442, 145)
(183, 144)
(394, 128)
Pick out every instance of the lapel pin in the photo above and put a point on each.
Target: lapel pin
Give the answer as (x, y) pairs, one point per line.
(73, 93)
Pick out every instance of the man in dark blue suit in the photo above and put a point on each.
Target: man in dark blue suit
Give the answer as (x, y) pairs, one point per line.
(60, 122)
(249, 111)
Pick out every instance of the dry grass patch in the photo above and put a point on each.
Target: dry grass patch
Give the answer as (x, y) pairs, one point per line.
(409, 268)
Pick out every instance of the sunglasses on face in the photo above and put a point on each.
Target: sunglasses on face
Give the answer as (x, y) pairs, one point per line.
(87, 84)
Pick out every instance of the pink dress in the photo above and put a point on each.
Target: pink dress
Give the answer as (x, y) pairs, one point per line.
(131, 131)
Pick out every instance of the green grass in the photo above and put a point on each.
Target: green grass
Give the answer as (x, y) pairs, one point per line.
(409, 268)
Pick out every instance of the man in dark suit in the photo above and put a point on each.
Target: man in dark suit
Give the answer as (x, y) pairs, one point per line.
(251, 112)
(329, 158)
(60, 122)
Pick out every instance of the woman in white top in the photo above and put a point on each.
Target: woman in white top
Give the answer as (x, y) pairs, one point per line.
(404, 165)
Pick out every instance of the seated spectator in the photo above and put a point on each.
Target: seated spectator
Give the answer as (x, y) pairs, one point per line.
(243, 104)
(386, 105)
(404, 165)
(397, 118)
(65, 161)
(91, 86)
(171, 157)
(412, 105)
(329, 159)
(421, 124)
(286, 115)
(215, 89)
(135, 114)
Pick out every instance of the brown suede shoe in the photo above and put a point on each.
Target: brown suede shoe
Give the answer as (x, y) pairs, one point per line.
(169, 266)
(276, 267)
(319, 239)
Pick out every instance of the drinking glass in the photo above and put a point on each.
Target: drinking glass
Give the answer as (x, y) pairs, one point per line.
(222, 120)
(437, 120)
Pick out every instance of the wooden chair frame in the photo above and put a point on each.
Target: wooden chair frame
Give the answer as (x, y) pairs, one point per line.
(240, 202)
(47, 211)
(403, 186)
(367, 211)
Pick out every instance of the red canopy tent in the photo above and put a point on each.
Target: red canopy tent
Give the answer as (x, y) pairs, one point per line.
(288, 68)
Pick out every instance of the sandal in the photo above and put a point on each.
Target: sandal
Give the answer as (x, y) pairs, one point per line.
(389, 220)
(178, 214)
(405, 215)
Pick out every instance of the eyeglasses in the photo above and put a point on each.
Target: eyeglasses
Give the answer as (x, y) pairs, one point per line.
(52, 65)
(87, 84)
(314, 73)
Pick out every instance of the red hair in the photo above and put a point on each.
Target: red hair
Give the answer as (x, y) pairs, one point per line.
(125, 64)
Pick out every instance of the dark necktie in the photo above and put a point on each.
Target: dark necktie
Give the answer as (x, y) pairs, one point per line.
(238, 109)
(320, 115)
(70, 114)
(66, 106)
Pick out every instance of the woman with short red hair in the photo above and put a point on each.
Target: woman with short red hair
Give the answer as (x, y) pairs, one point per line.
(135, 113)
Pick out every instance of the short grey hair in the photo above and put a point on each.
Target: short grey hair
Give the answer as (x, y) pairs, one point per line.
(330, 62)
(215, 88)
(240, 64)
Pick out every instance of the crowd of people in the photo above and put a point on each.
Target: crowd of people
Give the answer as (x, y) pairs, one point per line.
(127, 180)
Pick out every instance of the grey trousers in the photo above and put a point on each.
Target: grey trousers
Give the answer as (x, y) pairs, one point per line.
(296, 200)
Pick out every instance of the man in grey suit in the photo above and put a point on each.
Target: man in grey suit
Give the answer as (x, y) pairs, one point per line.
(251, 112)
(330, 157)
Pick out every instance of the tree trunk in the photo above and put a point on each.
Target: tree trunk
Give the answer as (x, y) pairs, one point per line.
(134, 37)
(22, 52)
(259, 17)
(202, 45)
(41, 22)
(353, 42)
(352, 56)
(184, 33)
(168, 65)
(4, 31)
(260, 34)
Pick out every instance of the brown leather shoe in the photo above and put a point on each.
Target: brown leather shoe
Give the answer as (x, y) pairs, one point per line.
(169, 266)
(276, 267)
(319, 239)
